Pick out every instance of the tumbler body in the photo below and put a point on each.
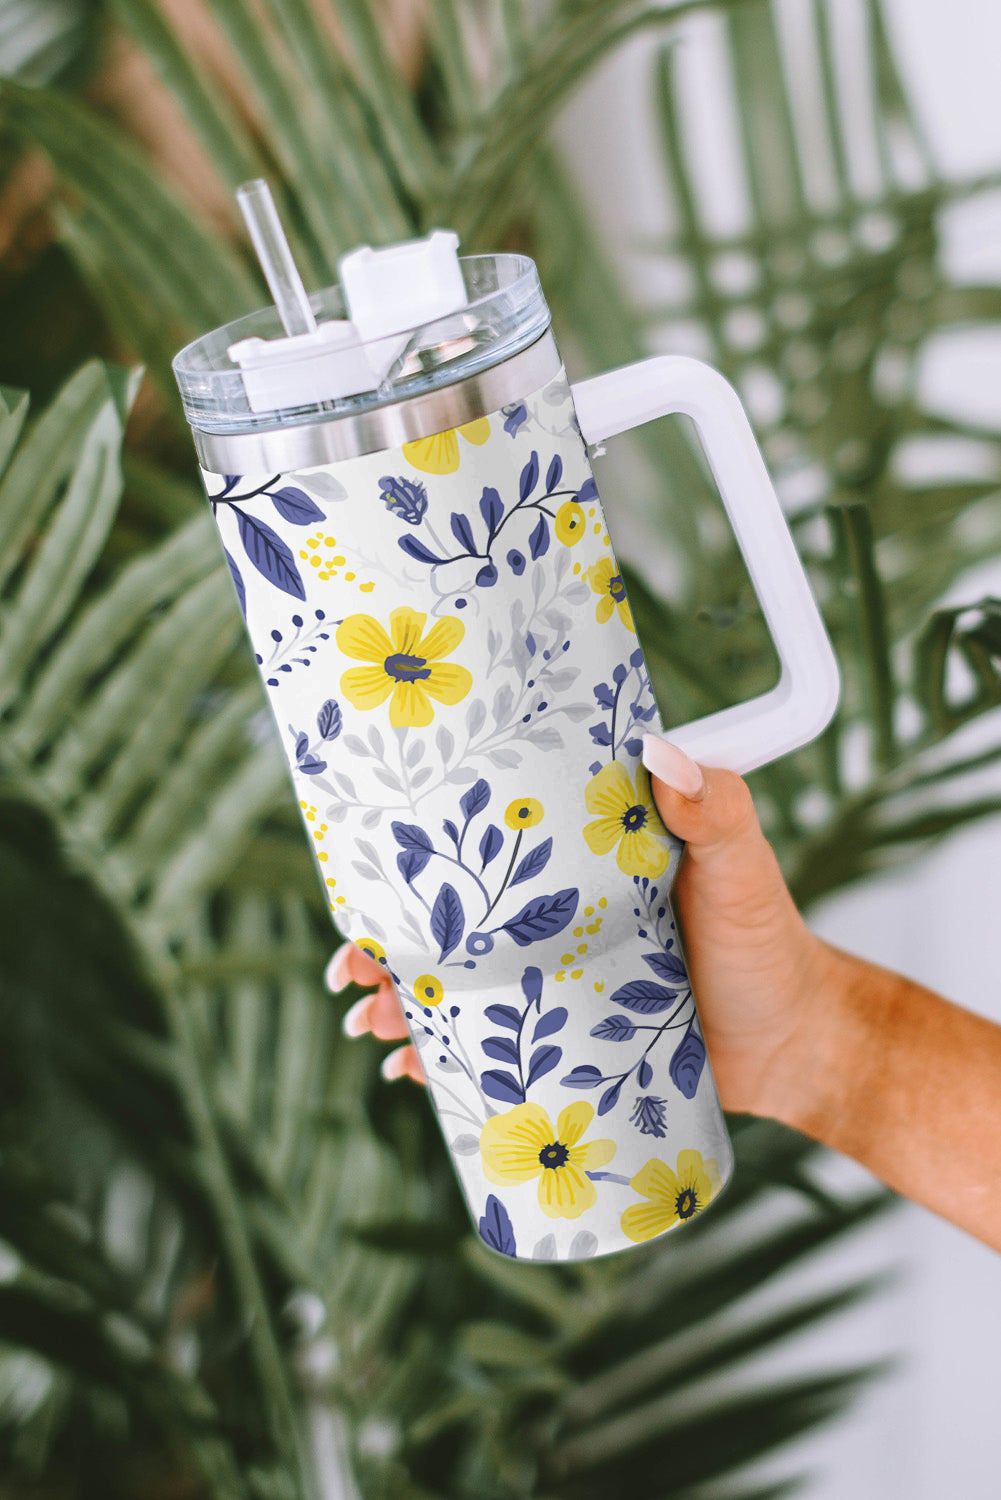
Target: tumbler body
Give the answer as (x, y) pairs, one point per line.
(455, 674)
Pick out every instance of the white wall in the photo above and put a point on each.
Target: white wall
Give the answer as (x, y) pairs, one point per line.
(931, 1432)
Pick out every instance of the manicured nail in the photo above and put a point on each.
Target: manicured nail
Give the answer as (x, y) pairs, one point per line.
(335, 975)
(355, 1023)
(673, 767)
(395, 1064)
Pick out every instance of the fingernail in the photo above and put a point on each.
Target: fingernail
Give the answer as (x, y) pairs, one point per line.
(335, 975)
(673, 767)
(355, 1023)
(394, 1066)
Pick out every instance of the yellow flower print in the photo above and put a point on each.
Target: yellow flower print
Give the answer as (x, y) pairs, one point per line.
(606, 581)
(428, 990)
(671, 1196)
(569, 524)
(627, 817)
(439, 454)
(405, 663)
(373, 949)
(524, 813)
(522, 1144)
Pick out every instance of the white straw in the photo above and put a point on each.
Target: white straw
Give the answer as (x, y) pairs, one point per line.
(280, 270)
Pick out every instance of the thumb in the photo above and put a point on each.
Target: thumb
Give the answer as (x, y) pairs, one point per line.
(710, 809)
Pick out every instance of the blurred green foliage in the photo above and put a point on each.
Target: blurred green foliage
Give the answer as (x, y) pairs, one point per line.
(233, 1263)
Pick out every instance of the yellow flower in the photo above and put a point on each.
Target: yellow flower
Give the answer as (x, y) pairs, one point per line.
(373, 949)
(570, 524)
(522, 1144)
(671, 1196)
(428, 990)
(524, 813)
(406, 663)
(627, 817)
(606, 581)
(439, 454)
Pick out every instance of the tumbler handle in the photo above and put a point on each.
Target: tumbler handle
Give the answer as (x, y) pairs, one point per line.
(806, 695)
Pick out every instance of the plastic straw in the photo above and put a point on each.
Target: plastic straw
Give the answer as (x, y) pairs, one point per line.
(280, 270)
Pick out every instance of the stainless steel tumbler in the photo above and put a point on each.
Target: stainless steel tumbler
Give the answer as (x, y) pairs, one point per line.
(417, 542)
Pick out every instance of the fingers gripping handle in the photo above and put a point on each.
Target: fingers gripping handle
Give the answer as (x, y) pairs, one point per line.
(806, 695)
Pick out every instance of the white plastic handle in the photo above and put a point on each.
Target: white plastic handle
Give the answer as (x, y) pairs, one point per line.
(806, 695)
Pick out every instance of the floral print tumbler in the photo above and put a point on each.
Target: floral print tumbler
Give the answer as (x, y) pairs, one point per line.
(431, 588)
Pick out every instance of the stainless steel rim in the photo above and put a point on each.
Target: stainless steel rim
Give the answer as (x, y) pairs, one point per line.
(282, 450)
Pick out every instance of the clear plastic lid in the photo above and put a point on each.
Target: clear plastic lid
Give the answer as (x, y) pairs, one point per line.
(505, 313)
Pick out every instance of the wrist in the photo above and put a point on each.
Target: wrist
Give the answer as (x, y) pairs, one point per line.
(825, 1063)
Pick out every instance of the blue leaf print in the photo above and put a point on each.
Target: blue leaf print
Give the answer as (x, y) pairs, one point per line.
(531, 984)
(410, 836)
(417, 550)
(644, 997)
(542, 1061)
(687, 1063)
(490, 844)
(487, 576)
(502, 1085)
(241, 592)
(614, 1029)
(496, 1229)
(534, 863)
(551, 1022)
(411, 862)
(515, 417)
(610, 1097)
(634, 748)
(269, 554)
(301, 742)
(447, 920)
(501, 1049)
(587, 492)
(554, 474)
(328, 720)
(462, 531)
(504, 1015)
(476, 799)
(529, 477)
(543, 917)
(668, 966)
(296, 506)
(451, 830)
(644, 1074)
(538, 542)
(584, 1077)
(491, 508)
(604, 695)
(600, 733)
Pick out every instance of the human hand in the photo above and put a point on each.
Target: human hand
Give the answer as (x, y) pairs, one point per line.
(380, 1012)
(755, 967)
(758, 974)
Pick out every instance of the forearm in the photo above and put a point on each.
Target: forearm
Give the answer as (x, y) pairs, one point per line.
(904, 1082)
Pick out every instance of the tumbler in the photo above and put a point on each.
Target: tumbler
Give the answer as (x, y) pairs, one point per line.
(416, 540)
